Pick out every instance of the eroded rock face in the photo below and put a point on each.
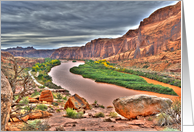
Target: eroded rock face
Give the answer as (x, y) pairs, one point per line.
(140, 105)
(39, 114)
(46, 95)
(160, 32)
(6, 100)
(77, 102)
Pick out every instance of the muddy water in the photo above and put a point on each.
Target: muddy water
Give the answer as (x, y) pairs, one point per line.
(88, 88)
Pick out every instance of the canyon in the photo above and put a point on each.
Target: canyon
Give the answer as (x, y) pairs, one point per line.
(160, 32)
(154, 45)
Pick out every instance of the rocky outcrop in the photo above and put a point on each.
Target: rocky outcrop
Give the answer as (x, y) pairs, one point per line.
(160, 32)
(76, 102)
(140, 105)
(46, 95)
(30, 52)
(6, 100)
(39, 114)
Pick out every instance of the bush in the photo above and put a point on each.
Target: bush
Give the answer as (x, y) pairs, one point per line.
(100, 114)
(24, 100)
(55, 103)
(41, 107)
(113, 114)
(74, 61)
(59, 96)
(102, 106)
(73, 113)
(164, 119)
(65, 98)
(170, 129)
(35, 93)
(35, 125)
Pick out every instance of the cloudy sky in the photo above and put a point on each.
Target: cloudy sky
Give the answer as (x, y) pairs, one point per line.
(47, 24)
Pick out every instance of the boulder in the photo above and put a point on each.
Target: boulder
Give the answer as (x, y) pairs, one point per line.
(140, 105)
(76, 102)
(39, 114)
(25, 118)
(6, 100)
(46, 95)
(32, 100)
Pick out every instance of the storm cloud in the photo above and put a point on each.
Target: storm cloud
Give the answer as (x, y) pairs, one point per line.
(55, 24)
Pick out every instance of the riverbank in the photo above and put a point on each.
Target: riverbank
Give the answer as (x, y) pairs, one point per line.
(100, 71)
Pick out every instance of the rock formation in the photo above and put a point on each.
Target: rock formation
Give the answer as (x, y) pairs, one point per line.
(6, 100)
(29, 52)
(160, 32)
(77, 102)
(140, 105)
(46, 95)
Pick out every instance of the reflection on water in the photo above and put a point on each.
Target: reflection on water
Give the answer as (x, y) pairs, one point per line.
(87, 88)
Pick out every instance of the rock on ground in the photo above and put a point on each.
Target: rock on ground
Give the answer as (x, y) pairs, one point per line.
(6, 100)
(46, 95)
(140, 105)
(77, 102)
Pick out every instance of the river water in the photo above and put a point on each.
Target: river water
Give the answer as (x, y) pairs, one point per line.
(89, 89)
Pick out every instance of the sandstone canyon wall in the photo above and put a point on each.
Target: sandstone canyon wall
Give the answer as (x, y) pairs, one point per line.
(160, 32)
(6, 100)
(30, 52)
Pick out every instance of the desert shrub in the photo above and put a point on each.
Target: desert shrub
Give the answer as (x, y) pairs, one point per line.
(113, 114)
(100, 114)
(65, 98)
(164, 119)
(24, 100)
(102, 106)
(145, 66)
(55, 103)
(35, 93)
(169, 129)
(41, 107)
(58, 110)
(59, 96)
(73, 113)
(150, 119)
(36, 125)
(176, 106)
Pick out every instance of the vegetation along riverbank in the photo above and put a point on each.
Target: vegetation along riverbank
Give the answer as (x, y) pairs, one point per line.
(41, 70)
(103, 71)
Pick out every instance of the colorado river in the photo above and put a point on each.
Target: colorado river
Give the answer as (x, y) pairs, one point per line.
(89, 89)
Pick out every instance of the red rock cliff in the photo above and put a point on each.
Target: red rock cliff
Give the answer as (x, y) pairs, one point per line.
(161, 31)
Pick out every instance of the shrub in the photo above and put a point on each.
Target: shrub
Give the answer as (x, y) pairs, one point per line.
(145, 66)
(58, 110)
(73, 113)
(41, 86)
(65, 98)
(102, 106)
(59, 96)
(176, 106)
(100, 114)
(113, 114)
(35, 93)
(35, 125)
(164, 119)
(42, 107)
(55, 103)
(74, 61)
(24, 100)
(170, 129)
